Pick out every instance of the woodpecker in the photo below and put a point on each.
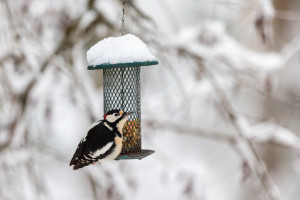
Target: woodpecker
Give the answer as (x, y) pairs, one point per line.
(103, 140)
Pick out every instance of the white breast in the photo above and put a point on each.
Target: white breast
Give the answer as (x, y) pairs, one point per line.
(116, 152)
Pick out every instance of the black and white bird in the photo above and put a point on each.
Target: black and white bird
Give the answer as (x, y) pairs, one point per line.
(103, 140)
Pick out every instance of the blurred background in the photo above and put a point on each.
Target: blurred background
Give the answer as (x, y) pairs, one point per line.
(221, 109)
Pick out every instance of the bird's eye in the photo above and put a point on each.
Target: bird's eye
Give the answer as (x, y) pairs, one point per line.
(116, 114)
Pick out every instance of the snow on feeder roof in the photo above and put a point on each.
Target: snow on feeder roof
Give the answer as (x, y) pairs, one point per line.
(123, 51)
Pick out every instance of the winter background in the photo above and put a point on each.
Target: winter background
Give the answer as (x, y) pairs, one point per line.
(221, 109)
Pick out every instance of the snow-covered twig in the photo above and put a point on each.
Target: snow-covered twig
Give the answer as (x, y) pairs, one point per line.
(259, 165)
(271, 140)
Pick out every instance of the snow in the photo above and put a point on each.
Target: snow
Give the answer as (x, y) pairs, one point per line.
(211, 41)
(187, 164)
(123, 49)
(271, 132)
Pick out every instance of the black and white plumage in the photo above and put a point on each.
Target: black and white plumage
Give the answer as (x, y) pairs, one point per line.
(103, 140)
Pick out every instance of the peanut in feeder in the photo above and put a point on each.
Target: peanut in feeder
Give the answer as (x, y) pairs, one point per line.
(121, 59)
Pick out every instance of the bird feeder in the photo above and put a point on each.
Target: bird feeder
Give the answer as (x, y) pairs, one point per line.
(121, 59)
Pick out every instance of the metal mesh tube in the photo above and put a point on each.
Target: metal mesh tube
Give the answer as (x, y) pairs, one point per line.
(121, 89)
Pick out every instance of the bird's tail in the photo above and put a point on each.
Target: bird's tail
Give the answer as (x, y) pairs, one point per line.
(81, 165)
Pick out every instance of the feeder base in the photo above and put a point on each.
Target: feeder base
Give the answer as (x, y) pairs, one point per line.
(144, 153)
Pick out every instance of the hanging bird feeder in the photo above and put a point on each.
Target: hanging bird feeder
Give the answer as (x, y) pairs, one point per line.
(121, 59)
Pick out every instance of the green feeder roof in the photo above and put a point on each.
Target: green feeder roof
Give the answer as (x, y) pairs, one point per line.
(119, 65)
(118, 52)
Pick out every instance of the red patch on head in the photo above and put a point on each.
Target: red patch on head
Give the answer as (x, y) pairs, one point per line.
(105, 116)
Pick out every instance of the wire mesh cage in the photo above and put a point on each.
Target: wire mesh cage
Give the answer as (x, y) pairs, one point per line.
(121, 89)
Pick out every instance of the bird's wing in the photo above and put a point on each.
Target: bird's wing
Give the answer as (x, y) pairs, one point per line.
(98, 143)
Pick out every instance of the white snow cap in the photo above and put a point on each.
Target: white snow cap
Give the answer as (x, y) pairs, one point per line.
(123, 49)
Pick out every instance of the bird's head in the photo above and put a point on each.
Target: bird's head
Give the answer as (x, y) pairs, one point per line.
(116, 116)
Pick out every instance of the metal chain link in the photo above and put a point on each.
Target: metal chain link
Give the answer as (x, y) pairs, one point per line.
(122, 70)
(123, 18)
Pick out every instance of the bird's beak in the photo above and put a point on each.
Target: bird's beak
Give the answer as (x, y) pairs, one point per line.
(125, 114)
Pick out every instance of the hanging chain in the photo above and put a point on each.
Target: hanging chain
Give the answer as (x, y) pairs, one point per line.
(123, 18)
(122, 69)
